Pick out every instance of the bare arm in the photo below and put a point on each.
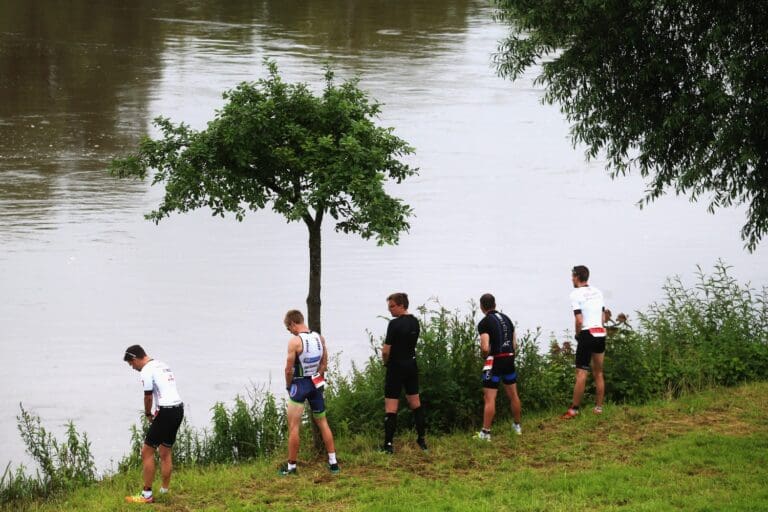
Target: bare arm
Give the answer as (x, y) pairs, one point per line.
(289, 362)
(514, 342)
(148, 404)
(385, 349)
(324, 361)
(485, 344)
(578, 322)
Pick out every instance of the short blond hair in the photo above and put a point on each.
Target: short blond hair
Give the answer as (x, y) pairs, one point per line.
(293, 316)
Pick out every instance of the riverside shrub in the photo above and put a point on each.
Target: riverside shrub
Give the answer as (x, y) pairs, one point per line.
(713, 333)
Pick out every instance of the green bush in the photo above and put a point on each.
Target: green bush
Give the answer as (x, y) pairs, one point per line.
(544, 380)
(449, 375)
(61, 465)
(253, 427)
(715, 333)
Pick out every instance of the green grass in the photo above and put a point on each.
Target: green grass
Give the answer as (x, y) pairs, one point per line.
(704, 452)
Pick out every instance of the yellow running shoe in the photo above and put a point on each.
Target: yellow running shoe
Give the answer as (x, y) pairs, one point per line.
(139, 498)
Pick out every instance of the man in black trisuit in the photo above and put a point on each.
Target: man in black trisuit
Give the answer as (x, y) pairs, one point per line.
(498, 344)
(399, 356)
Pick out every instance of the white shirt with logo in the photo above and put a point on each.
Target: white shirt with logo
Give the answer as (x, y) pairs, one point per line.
(160, 380)
(589, 300)
(311, 355)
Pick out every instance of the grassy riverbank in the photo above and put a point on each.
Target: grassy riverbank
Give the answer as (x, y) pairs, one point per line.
(707, 451)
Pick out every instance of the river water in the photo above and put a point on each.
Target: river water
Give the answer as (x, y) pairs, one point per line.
(503, 202)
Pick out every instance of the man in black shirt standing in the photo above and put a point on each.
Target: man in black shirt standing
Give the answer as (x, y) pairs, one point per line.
(399, 356)
(498, 344)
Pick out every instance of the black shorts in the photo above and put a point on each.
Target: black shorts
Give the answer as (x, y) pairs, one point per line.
(163, 429)
(401, 374)
(586, 346)
(503, 370)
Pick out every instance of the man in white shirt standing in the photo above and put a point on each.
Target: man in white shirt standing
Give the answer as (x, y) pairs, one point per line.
(164, 411)
(588, 309)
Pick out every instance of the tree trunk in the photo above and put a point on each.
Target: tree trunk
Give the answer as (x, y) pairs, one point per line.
(315, 271)
(313, 297)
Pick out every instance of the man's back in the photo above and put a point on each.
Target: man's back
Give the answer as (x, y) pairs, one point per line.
(402, 335)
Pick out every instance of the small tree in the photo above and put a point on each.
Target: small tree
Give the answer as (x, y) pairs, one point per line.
(675, 89)
(280, 145)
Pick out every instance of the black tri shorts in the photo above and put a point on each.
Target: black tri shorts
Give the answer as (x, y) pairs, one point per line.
(586, 346)
(503, 370)
(163, 429)
(401, 374)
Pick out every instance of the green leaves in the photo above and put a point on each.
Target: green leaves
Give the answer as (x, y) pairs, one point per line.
(676, 91)
(277, 144)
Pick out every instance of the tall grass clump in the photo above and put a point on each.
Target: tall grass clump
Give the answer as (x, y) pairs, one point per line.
(61, 465)
(253, 427)
(713, 333)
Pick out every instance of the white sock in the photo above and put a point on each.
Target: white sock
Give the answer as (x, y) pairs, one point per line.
(291, 466)
(163, 490)
(332, 458)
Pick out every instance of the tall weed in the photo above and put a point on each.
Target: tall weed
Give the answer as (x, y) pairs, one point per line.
(61, 465)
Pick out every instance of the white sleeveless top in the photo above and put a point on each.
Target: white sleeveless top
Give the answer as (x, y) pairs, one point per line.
(308, 362)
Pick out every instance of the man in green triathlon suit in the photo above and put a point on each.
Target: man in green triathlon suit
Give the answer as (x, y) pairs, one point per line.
(304, 379)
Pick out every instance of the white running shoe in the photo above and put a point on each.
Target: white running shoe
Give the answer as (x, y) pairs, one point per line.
(483, 436)
(517, 428)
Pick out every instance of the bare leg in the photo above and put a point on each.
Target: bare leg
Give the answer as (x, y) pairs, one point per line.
(166, 465)
(148, 463)
(325, 431)
(413, 401)
(597, 374)
(390, 405)
(294, 420)
(578, 388)
(514, 401)
(489, 396)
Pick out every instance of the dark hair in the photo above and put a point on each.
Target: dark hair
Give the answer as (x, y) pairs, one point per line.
(134, 352)
(488, 302)
(293, 316)
(399, 298)
(581, 272)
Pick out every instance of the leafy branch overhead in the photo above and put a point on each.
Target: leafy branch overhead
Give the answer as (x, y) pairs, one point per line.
(675, 89)
(278, 144)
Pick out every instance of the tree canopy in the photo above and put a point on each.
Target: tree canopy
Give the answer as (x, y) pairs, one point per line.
(275, 144)
(675, 89)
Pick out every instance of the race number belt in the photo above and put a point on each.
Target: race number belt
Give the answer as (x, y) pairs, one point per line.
(318, 381)
(504, 354)
(597, 332)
